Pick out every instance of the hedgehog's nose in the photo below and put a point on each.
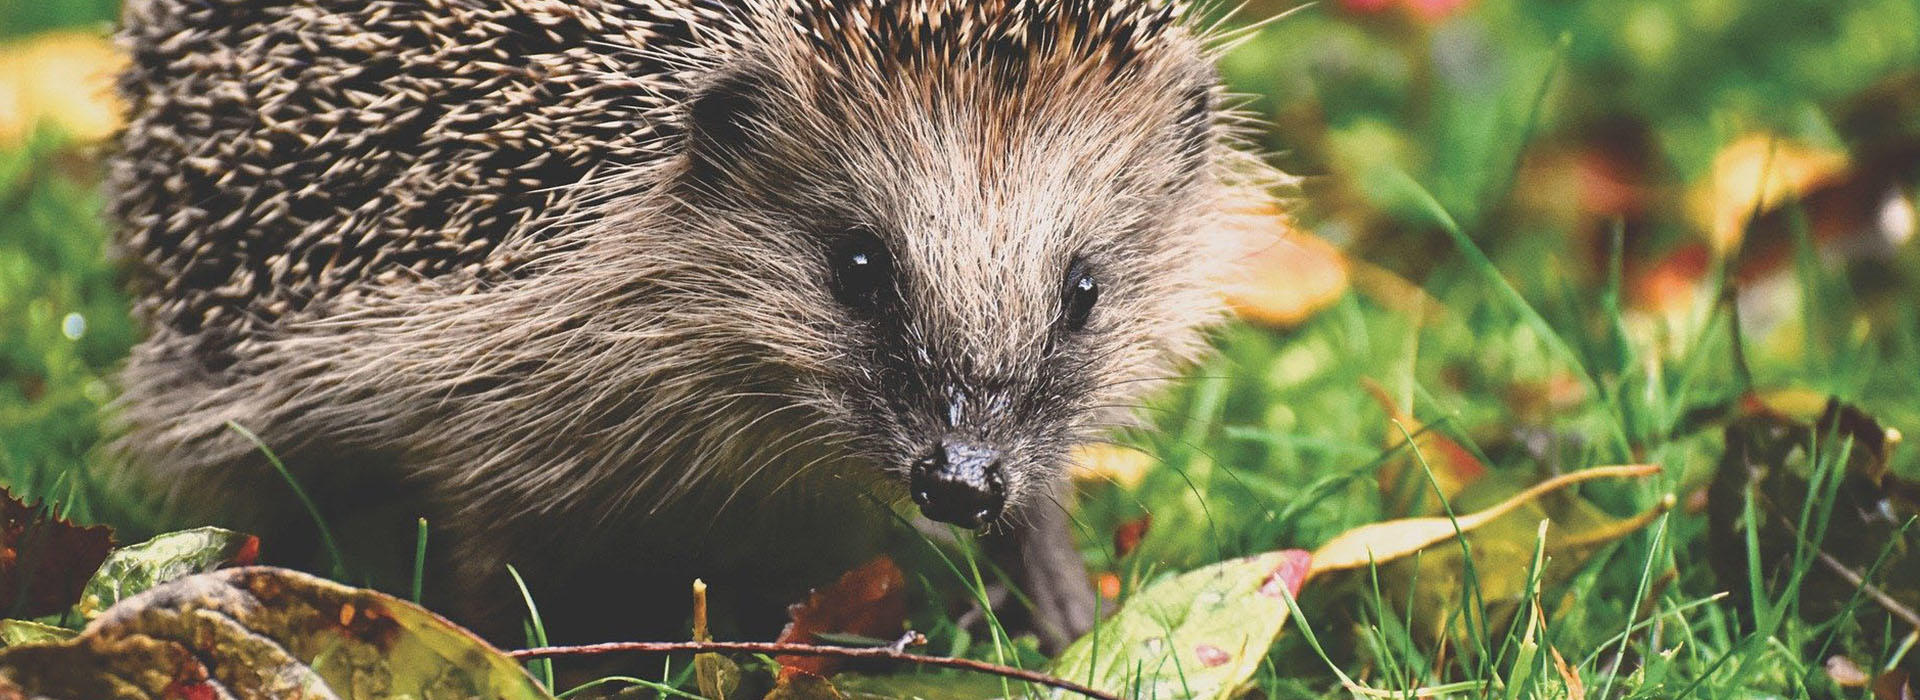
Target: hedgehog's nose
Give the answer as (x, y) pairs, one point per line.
(959, 482)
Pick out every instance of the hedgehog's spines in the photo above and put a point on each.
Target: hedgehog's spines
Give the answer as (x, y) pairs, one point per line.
(485, 134)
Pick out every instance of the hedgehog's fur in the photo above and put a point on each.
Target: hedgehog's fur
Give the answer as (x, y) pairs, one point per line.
(557, 264)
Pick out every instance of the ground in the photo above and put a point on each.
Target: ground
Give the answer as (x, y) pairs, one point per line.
(1537, 238)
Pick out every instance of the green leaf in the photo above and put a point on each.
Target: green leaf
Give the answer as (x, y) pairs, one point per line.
(131, 570)
(1197, 635)
(17, 632)
(717, 676)
(264, 632)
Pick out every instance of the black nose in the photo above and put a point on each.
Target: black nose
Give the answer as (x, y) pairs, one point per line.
(959, 482)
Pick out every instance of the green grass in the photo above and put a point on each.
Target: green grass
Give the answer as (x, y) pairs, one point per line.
(1428, 145)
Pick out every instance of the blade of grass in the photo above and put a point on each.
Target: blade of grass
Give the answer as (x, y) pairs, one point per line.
(419, 560)
(1639, 593)
(538, 637)
(313, 511)
(1484, 267)
(1529, 648)
(655, 686)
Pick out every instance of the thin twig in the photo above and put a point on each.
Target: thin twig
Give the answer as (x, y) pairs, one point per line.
(1891, 604)
(776, 648)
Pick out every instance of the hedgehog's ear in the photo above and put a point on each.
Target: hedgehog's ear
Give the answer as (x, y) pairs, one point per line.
(721, 121)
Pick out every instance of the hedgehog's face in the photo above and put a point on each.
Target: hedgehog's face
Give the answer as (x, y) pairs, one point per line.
(995, 266)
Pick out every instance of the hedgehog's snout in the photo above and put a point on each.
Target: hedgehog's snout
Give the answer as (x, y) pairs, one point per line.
(959, 482)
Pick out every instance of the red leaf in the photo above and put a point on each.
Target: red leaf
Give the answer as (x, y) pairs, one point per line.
(1127, 537)
(1892, 685)
(869, 601)
(45, 561)
(249, 553)
(1291, 573)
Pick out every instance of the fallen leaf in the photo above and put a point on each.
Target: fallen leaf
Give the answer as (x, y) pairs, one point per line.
(1893, 685)
(1755, 173)
(1773, 449)
(132, 569)
(869, 601)
(1501, 520)
(1288, 280)
(1403, 480)
(260, 632)
(1107, 462)
(45, 561)
(18, 632)
(64, 79)
(1385, 541)
(1576, 688)
(1671, 285)
(1127, 537)
(717, 676)
(1200, 634)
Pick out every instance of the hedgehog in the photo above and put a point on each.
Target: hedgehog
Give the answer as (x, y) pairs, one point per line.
(617, 293)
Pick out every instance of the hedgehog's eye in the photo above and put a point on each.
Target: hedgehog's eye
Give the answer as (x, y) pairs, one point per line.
(862, 271)
(1082, 293)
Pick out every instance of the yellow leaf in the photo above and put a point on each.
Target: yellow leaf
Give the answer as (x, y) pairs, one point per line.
(1106, 462)
(1383, 542)
(1757, 170)
(1288, 280)
(63, 79)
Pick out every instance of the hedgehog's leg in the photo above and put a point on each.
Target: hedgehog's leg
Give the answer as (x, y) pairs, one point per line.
(467, 581)
(1044, 563)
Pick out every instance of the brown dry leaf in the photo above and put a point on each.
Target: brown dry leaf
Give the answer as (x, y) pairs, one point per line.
(1288, 280)
(1403, 482)
(1893, 685)
(1756, 171)
(45, 561)
(1386, 541)
(64, 79)
(1576, 688)
(1785, 458)
(870, 601)
(261, 632)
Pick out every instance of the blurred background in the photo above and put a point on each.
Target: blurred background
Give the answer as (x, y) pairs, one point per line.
(1560, 233)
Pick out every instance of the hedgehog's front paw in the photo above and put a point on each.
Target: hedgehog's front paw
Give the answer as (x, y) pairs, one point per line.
(1043, 562)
